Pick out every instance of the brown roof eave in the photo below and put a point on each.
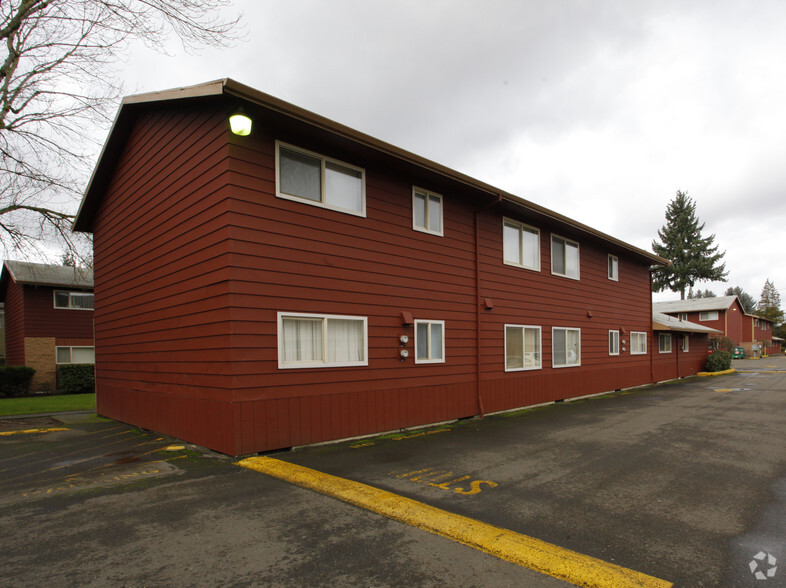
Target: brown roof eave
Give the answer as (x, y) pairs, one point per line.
(240, 91)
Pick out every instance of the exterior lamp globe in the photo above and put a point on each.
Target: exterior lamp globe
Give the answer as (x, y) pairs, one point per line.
(240, 124)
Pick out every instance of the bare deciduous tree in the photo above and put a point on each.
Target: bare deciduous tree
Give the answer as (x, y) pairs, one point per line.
(57, 85)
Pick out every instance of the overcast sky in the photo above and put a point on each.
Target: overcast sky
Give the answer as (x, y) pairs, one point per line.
(599, 110)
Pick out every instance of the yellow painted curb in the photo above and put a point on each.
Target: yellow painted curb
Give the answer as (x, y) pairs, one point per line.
(528, 552)
(28, 431)
(723, 373)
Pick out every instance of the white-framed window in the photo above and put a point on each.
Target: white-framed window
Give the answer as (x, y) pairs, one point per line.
(664, 342)
(564, 257)
(683, 316)
(520, 245)
(614, 268)
(75, 355)
(426, 211)
(614, 342)
(522, 348)
(710, 315)
(321, 340)
(755, 322)
(638, 343)
(74, 300)
(312, 178)
(429, 341)
(565, 347)
(685, 343)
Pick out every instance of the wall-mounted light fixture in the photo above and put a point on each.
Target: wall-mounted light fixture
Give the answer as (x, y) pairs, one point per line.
(240, 123)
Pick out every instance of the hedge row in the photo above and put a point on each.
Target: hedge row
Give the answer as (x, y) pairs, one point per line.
(76, 378)
(15, 380)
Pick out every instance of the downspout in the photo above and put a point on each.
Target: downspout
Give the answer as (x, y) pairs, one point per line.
(651, 346)
(478, 313)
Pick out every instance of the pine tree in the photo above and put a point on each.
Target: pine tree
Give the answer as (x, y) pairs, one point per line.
(770, 304)
(694, 258)
(747, 301)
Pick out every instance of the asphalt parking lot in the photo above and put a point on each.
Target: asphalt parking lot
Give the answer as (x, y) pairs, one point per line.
(684, 481)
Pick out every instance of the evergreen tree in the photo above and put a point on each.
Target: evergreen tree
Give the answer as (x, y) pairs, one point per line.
(702, 294)
(747, 301)
(694, 258)
(770, 304)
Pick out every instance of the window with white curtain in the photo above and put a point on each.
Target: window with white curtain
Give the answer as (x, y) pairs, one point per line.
(566, 347)
(429, 341)
(614, 342)
(309, 177)
(638, 343)
(309, 340)
(426, 211)
(520, 245)
(664, 342)
(75, 355)
(564, 257)
(522, 348)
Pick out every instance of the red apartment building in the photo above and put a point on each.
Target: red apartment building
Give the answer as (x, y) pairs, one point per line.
(306, 282)
(48, 318)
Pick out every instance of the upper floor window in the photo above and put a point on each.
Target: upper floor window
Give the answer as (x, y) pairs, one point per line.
(521, 245)
(429, 341)
(683, 316)
(710, 315)
(565, 347)
(664, 342)
(74, 300)
(613, 268)
(522, 348)
(426, 211)
(564, 257)
(638, 343)
(614, 342)
(313, 340)
(312, 178)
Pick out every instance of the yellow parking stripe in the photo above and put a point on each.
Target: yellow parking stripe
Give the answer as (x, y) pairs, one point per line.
(28, 431)
(528, 552)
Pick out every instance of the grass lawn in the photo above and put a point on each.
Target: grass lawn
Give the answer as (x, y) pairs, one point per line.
(39, 404)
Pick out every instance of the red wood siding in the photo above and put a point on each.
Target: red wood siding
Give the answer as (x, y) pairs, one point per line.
(42, 319)
(163, 336)
(195, 256)
(14, 324)
(679, 363)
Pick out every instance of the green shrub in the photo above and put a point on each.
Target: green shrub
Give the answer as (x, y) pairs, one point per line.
(718, 361)
(76, 378)
(15, 380)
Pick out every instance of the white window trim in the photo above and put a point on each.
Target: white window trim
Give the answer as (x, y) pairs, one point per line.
(70, 354)
(428, 194)
(644, 352)
(553, 360)
(429, 322)
(323, 159)
(70, 292)
(323, 363)
(683, 316)
(685, 343)
(521, 227)
(664, 337)
(578, 257)
(540, 345)
(709, 316)
(616, 266)
(616, 340)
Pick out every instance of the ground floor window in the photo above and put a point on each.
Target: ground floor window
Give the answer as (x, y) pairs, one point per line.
(664, 342)
(429, 341)
(614, 342)
(522, 348)
(686, 343)
(76, 355)
(638, 343)
(566, 347)
(310, 340)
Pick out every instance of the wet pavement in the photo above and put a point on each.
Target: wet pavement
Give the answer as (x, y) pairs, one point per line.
(684, 481)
